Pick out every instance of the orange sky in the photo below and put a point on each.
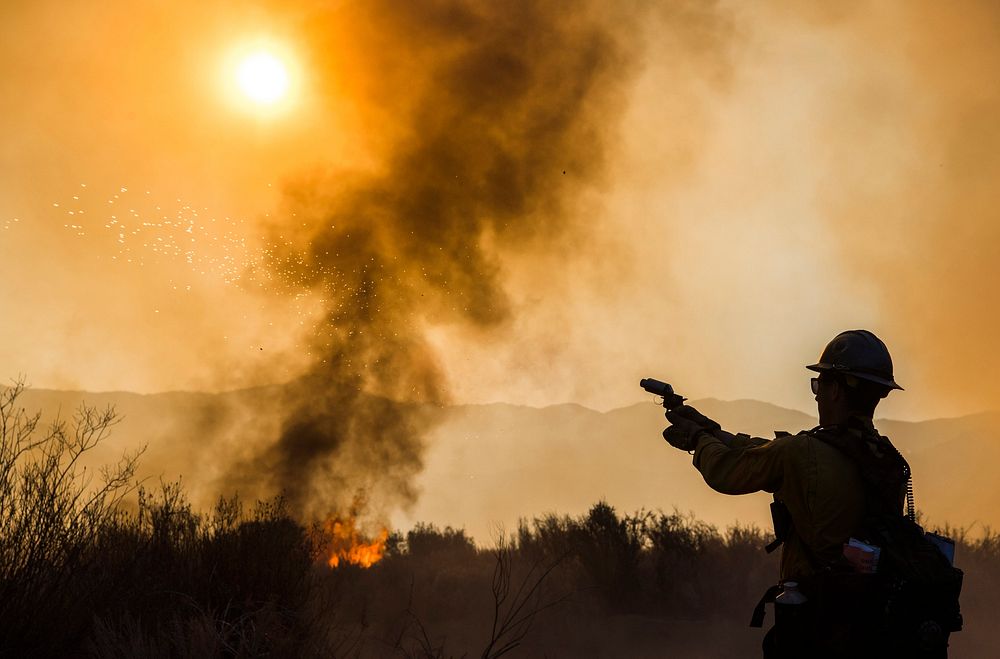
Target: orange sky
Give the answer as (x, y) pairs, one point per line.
(776, 172)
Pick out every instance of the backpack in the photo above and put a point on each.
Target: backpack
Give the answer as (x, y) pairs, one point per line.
(915, 584)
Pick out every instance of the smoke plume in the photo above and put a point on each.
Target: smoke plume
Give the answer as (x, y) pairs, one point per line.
(486, 120)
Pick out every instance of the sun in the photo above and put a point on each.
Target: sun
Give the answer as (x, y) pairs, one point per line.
(262, 77)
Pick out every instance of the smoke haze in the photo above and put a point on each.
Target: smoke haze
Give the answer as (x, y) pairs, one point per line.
(918, 218)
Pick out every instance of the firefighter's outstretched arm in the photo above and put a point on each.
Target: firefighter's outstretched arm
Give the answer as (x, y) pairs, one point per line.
(748, 464)
(731, 464)
(686, 423)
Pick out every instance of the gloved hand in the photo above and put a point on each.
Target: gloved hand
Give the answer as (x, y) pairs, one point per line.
(683, 432)
(691, 414)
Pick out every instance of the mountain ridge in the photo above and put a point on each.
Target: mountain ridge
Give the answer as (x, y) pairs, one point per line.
(494, 463)
(81, 393)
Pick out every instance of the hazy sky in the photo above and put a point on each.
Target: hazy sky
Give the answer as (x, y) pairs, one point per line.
(774, 172)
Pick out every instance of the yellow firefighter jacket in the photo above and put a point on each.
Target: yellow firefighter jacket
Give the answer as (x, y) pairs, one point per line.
(821, 487)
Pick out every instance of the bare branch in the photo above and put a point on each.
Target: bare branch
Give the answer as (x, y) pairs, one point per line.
(512, 621)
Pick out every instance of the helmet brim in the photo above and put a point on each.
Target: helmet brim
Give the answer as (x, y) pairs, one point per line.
(822, 367)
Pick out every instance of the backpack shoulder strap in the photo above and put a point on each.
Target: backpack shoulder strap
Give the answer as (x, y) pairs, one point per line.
(884, 471)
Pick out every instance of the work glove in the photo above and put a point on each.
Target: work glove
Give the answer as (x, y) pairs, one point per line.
(691, 414)
(682, 432)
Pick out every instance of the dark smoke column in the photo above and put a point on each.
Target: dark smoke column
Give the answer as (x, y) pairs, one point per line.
(499, 113)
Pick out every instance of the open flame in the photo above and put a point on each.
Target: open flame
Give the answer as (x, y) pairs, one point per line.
(344, 542)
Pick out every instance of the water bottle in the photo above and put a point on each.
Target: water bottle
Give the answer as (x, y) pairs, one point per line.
(791, 623)
(790, 594)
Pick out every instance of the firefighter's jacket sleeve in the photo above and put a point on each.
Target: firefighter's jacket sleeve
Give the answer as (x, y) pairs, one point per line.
(739, 464)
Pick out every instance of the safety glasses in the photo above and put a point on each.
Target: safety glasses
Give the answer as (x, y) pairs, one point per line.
(814, 382)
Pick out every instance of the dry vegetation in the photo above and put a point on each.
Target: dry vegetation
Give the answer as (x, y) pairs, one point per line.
(83, 573)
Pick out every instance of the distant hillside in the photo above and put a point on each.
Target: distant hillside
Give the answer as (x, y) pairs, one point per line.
(193, 435)
(492, 464)
(488, 465)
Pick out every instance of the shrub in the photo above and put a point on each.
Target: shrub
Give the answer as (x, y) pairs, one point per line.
(53, 514)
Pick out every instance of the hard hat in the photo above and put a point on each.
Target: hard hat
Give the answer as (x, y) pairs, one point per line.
(859, 353)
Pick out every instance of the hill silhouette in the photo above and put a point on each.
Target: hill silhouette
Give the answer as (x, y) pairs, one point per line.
(489, 465)
(499, 462)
